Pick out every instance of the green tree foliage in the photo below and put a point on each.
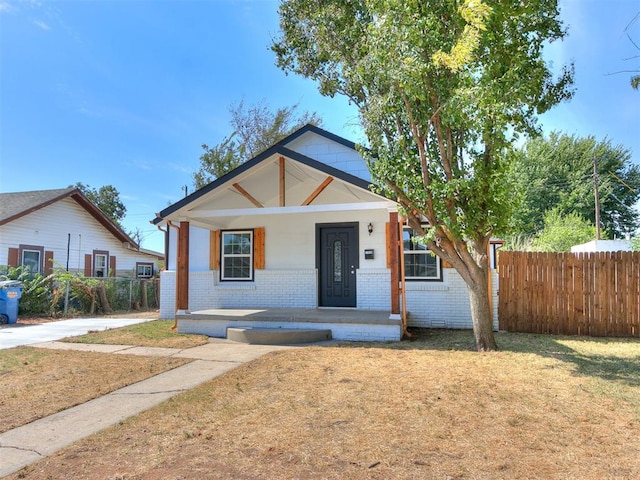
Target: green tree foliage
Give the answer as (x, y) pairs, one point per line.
(255, 129)
(107, 199)
(36, 290)
(443, 89)
(562, 231)
(557, 173)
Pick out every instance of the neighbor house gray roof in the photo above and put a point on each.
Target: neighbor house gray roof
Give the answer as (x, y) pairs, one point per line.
(18, 204)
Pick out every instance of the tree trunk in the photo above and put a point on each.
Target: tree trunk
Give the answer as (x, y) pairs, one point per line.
(143, 295)
(92, 308)
(102, 295)
(481, 315)
(156, 291)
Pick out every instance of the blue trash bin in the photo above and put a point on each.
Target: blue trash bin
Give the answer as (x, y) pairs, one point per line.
(10, 293)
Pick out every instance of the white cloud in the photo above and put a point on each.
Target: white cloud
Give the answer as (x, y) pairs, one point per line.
(6, 6)
(42, 25)
(140, 164)
(179, 167)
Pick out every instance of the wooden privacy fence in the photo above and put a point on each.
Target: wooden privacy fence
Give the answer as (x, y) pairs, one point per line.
(596, 294)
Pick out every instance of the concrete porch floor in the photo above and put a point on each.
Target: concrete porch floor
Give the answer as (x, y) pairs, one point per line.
(306, 315)
(261, 323)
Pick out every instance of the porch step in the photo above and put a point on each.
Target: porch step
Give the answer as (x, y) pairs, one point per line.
(276, 336)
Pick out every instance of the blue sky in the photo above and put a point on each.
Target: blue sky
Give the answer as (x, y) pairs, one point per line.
(124, 93)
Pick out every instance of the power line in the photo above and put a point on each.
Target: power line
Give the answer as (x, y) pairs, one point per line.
(622, 182)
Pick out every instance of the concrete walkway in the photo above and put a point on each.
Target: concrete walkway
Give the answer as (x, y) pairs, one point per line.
(15, 335)
(29, 443)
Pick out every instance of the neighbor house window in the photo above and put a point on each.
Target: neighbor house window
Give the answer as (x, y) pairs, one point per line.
(237, 255)
(100, 264)
(419, 262)
(31, 259)
(144, 270)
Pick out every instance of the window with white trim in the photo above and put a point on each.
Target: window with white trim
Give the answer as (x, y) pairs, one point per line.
(31, 259)
(236, 261)
(419, 262)
(144, 270)
(100, 268)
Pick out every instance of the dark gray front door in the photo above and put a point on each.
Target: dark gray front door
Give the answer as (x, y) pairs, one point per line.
(337, 261)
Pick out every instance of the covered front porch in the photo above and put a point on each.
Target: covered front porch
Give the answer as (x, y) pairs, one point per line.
(344, 324)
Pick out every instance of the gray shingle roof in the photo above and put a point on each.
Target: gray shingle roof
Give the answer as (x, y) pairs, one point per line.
(19, 203)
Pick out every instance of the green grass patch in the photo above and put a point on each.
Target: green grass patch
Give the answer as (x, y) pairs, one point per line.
(157, 333)
(16, 359)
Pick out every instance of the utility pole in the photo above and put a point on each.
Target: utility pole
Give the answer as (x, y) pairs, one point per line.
(596, 195)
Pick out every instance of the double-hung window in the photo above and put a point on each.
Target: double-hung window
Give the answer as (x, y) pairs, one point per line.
(419, 262)
(144, 270)
(237, 255)
(100, 268)
(31, 260)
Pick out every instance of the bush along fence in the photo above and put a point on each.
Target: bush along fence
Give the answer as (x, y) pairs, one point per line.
(595, 294)
(66, 294)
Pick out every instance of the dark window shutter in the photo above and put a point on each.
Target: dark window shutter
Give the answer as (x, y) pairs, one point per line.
(88, 267)
(112, 266)
(258, 248)
(214, 250)
(48, 263)
(12, 259)
(388, 243)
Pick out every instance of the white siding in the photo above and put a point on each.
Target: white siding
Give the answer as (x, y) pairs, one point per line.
(66, 222)
(331, 153)
(290, 239)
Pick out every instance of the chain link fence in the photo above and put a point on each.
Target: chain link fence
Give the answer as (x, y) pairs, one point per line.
(62, 293)
(104, 295)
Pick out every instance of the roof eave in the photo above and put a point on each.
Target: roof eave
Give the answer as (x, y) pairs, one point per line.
(37, 207)
(277, 149)
(102, 218)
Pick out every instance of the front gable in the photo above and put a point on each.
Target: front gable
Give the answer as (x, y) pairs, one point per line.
(283, 179)
(329, 149)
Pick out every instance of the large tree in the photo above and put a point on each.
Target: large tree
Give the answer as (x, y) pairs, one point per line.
(107, 199)
(443, 88)
(255, 129)
(561, 232)
(557, 172)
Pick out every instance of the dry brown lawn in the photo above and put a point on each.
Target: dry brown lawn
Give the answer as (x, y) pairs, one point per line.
(35, 382)
(543, 407)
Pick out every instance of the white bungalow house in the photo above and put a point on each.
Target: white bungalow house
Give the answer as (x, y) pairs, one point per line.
(295, 238)
(44, 228)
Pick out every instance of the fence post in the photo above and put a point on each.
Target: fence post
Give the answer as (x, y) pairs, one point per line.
(143, 294)
(66, 297)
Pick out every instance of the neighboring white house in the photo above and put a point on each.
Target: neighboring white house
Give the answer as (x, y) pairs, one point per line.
(603, 246)
(298, 227)
(63, 228)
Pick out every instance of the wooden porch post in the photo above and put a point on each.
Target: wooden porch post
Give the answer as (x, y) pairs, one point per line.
(394, 263)
(182, 268)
